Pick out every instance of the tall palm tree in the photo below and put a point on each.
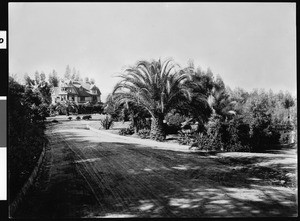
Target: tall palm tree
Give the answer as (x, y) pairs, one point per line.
(157, 87)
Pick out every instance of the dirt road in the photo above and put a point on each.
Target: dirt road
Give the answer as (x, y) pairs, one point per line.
(89, 174)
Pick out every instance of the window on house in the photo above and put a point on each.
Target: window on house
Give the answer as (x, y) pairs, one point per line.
(82, 99)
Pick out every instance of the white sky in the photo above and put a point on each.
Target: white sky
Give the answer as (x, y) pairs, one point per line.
(250, 45)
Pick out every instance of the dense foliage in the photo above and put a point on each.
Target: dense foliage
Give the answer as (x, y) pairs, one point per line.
(27, 110)
(126, 131)
(201, 109)
(158, 87)
(259, 122)
(144, 133)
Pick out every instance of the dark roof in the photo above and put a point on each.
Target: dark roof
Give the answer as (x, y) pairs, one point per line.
(82, 92)
(94, 87)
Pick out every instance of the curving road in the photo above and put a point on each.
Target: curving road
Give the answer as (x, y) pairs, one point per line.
(95, 174)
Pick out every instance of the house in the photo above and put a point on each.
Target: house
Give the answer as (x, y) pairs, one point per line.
(77, 91)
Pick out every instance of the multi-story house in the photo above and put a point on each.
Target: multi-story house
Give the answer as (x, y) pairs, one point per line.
(77, 91)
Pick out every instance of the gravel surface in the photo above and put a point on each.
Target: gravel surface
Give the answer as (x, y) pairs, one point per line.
(97, 174)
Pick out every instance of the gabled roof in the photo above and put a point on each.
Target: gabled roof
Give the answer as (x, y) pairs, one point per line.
(86, 85)
(82, 89)
(82, 92)
(94, 87)
(77, 85)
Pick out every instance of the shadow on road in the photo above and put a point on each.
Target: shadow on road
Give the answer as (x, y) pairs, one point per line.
(94, 176)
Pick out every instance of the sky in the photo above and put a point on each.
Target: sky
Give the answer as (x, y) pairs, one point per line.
(249, 45)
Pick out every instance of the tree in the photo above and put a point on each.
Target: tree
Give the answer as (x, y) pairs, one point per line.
(288, 102)
(43, 89)
(281, 104)
(67, 74)
(239, 96)
(158, 88)
(258, 115)
(220, 100)
(293, 113)
(137, 115)
(111, 108)
(92, 80)
(200, 85)
(43, 77)
(37, 77)
(77, 76)
(53, 79)
(28, 81)
(86, 79)
(74, 72)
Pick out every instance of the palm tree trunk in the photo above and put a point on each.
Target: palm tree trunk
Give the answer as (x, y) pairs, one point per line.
(157, 129)
(135, 125)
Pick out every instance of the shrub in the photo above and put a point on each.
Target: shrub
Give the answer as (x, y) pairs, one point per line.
(175, 119)
(238, 147)
(126, 131)
(172, 129)
(86, 117)
(208, 142)
(203, 142)
(78, 118)
(70, 118)
(174, 123)
(285, 138)
(26, 114)
(186, 137)
(144, 133)
(61, 109)
(231, 135)
(107, 122)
